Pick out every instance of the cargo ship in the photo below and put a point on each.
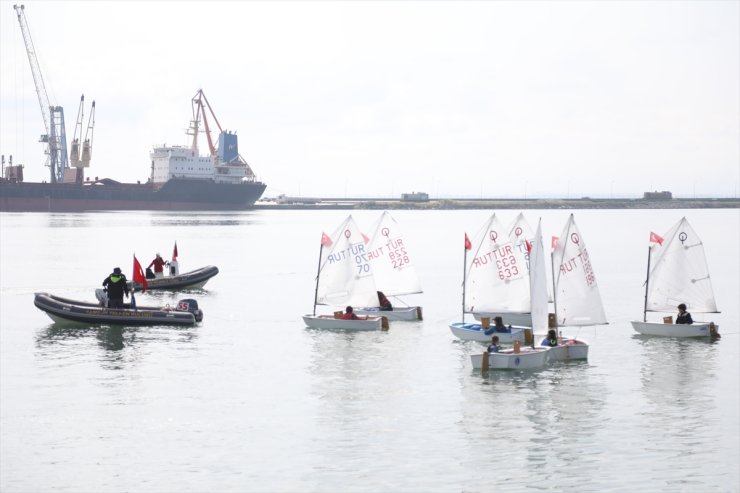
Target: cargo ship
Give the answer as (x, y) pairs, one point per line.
(180, 180)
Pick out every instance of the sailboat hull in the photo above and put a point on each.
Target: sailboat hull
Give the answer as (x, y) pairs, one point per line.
(697, 329)
(570, 349)
(474, 332)
(329, 322)
(526, 359)
(405, 313)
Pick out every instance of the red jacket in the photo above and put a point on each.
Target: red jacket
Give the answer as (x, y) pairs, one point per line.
(158, 264)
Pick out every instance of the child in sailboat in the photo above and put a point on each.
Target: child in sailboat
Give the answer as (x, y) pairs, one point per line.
(493, 347)
(500, 327)
(551, 340)
(385, 304)
(683, 316)
(349, 314)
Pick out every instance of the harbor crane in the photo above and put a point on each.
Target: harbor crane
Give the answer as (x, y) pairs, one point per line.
(80, 158)
(55, 137)
(227, 150)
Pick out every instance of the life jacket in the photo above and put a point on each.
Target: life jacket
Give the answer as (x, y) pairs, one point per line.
(115, 278)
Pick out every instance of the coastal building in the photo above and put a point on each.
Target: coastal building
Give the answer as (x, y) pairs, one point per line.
(664, 195)
(415, 197)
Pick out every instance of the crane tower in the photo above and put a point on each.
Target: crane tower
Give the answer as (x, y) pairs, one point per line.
(55, 137)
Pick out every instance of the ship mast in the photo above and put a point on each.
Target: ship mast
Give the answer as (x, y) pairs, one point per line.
(200, 102)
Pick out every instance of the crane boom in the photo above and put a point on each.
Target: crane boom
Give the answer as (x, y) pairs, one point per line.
(53, 116)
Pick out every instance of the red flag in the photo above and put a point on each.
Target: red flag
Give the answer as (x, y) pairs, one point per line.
(139, 275)
(554, 242)
(468, 245)
(528, 245)
(654, 238)
(174, 253)
(365, 238)
(325, 240)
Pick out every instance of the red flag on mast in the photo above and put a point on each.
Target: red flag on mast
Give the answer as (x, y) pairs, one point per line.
(325, 240)
(468, 245)
(654, 238)
(174, 253)
(554, 242)
(139, 275)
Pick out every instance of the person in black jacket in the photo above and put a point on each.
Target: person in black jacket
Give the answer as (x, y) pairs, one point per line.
(116, 285)
(683, 316)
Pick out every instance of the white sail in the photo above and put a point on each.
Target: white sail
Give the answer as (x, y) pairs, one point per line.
(577, 298)
(391, 260)
(345, 276)
(679, 273)
(538, 283)
(521, 233)
(495, 273)
(520, 229)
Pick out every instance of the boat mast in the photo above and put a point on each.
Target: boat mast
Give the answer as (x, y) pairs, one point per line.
(318, 273)
(554, 290)
(647, 280)
(465, 263)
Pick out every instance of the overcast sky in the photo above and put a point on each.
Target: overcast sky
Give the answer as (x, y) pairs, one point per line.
(504, 99)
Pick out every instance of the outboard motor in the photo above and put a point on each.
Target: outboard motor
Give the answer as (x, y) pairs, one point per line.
(102, 296)
(190, 305)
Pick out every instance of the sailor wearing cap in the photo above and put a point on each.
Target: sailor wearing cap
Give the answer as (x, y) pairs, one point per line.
(116, 285)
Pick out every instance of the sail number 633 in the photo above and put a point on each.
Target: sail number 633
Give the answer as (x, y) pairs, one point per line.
(507, 268)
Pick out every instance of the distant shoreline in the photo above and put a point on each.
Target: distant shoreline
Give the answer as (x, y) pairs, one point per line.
(443, 204)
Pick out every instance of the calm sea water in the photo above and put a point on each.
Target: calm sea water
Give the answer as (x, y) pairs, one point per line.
(251, 400)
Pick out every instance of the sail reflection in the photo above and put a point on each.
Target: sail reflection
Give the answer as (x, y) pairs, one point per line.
(676, 371)
(537, 422)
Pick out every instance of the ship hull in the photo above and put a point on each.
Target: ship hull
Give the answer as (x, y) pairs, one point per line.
(175, 195)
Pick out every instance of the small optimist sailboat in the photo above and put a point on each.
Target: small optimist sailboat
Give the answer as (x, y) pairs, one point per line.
(393, 268)
(522, 234)
(575, 292)
(494, 281)
(677, 272)
(344, 278)
(531, 357)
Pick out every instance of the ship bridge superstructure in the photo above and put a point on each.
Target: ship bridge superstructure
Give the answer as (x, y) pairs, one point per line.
(222, 164)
